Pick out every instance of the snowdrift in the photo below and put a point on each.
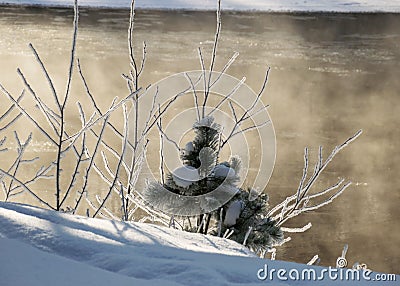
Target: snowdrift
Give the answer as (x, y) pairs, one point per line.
(40, 247)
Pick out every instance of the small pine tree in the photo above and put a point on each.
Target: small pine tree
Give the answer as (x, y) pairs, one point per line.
(243, 216)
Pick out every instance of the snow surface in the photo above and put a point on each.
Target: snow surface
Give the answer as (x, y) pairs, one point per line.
(40, 247)
(261, 5)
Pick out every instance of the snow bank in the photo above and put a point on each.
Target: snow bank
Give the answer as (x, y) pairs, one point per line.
(41, 247)
(261, 5)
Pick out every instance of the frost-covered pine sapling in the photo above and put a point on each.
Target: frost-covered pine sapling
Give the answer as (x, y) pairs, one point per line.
(200, 174)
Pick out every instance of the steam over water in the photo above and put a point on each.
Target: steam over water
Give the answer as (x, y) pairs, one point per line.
(331, 75)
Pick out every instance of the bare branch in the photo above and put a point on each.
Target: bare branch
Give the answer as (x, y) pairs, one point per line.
(11, 108)
(216, 38)
(26, 188)
(15, 102)
(225, 68)
(11, 122)
(228, 96)
(196, 99)
(114, 107)
(298, 203)
(91, 163)
(119, 162)
(161, 152)
(72, 60)
(39, 103)
(143, 59)
(49, 80)
(297, 230)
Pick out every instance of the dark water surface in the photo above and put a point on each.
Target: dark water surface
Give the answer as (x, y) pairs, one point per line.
(331, 74)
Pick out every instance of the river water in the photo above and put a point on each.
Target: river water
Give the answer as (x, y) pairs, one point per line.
(331, 75)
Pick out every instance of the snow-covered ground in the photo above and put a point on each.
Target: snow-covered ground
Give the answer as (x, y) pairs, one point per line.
(262, 5)
(41, 247)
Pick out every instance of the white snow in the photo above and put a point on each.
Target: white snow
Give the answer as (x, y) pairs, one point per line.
(40, 247)
(222, 171)
(189, 147)
(233, 213)
(184, 176)
(261, 5)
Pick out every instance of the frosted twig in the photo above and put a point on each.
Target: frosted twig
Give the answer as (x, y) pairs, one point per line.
(79, 158)
(229, 95)
(246, 115)
(11, 108)
(256, 126)
(17, 162)
(273, 253)
(217, 32)
(232, 110)
(151, 113)
(214, 53)
(313, 260)
(298, 203)
(161, 153)
(164, 109)
(247, 235)
(93, 206)
(49, 80)
(72, 60)
(164, 135)
(98, 110)
(203, 70)
(26, 188)
(119, 161)
(195, 97)
(229, 233)
(91, 162)
(130, 41)
(22, 110)
(115, 106)
(285, 240)
(11, 122)
(203, 221)
(297, 229)
(220, 222)
(143, 59)
(225, 68)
